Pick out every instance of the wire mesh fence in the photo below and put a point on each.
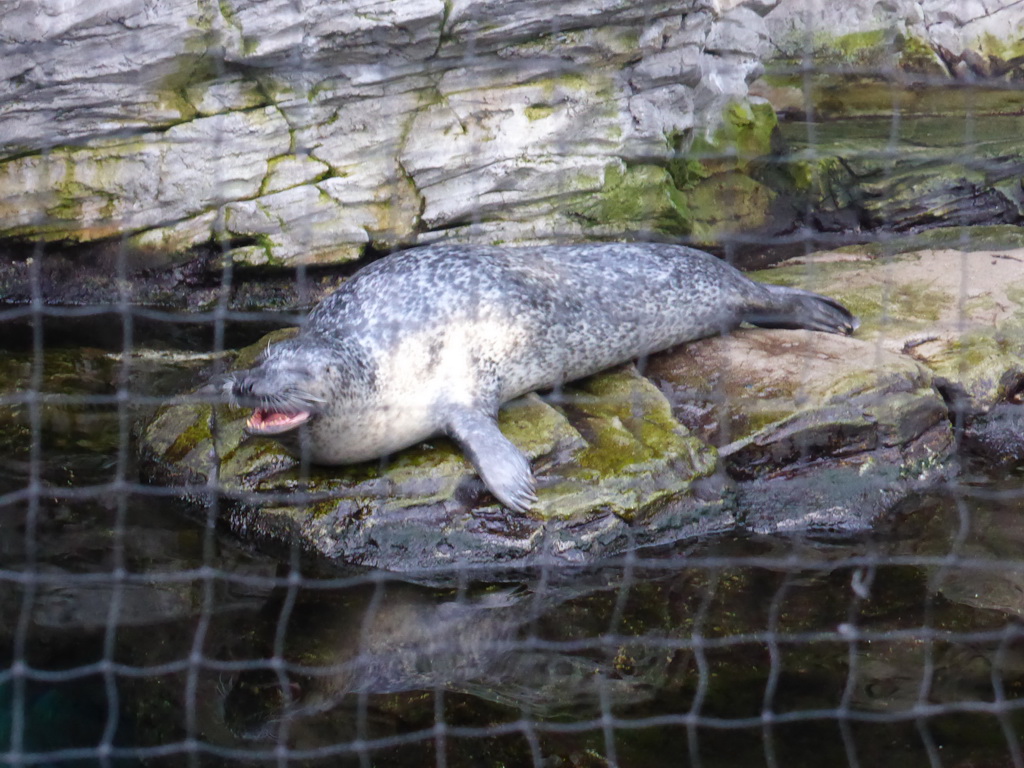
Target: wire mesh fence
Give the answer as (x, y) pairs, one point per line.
(773, 548)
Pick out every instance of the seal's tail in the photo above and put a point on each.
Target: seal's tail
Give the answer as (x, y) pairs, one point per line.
(794, 308)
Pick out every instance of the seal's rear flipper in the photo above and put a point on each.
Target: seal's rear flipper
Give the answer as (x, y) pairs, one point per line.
(794, 308)
(503, 467)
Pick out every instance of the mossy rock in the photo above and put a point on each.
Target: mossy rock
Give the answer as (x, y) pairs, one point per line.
(636, 197)
(960, 314)
(726, 203)
(609, 455)
(767, 429)
(716, 177)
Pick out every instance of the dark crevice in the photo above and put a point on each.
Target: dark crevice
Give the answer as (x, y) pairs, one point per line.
(86, 304)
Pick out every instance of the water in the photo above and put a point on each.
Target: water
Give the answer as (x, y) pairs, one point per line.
(132, 626)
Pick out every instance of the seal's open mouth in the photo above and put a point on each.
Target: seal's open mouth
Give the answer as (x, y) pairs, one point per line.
(265, 421)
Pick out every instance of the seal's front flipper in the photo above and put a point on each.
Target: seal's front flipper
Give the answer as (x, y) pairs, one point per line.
(503, 467)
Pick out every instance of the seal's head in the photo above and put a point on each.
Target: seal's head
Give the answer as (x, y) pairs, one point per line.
(285, 388)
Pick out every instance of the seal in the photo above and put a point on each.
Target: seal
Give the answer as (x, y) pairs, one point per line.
(434, 339)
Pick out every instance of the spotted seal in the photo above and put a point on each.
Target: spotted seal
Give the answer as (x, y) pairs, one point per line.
(434, 339)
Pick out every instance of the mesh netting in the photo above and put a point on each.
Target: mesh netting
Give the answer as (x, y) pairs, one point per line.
(821, 619)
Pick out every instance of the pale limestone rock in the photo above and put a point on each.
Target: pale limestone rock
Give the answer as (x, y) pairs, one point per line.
(79, 70)
(740, 31)
(664, 110)
(142, 182)
(169, 240)
(403, 120)
(315, 225)
(797, 27)
(315, 130)
(290, 171)
(225, 96)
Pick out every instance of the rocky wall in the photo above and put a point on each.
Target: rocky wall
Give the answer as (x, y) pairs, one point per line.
(965, 40)
(290, 136)
(304, 136)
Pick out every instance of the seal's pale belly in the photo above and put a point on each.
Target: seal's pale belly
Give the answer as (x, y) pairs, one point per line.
(433, 340)
(431, 371)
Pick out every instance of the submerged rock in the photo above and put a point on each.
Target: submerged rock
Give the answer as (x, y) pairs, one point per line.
(765, 429)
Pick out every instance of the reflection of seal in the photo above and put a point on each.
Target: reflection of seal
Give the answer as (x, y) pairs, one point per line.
(434, 339)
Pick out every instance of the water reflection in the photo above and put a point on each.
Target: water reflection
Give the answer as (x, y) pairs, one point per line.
(61, 722)
(692, 647)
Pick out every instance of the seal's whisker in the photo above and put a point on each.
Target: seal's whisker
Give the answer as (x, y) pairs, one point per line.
(308, 398)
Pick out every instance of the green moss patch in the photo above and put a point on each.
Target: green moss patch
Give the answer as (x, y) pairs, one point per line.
(716, 179)
(744, 133)
(539, 111)
(637, 197)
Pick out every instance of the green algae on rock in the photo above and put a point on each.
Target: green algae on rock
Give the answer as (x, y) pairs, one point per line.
(853, 172)
(960, 314)
(610, 455)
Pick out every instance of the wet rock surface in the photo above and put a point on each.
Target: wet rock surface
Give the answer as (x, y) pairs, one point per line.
(766, 430)
(609, 458)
